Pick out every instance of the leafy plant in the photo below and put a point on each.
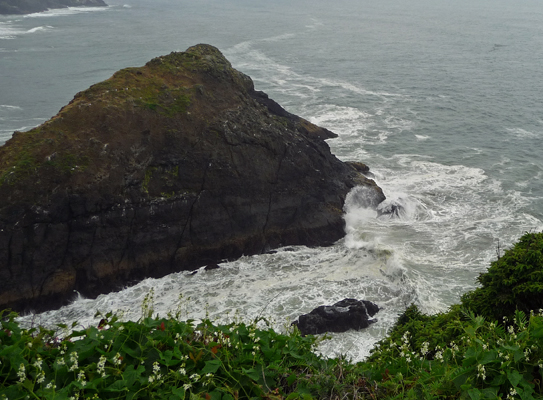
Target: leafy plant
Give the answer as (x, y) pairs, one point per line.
(513, 282)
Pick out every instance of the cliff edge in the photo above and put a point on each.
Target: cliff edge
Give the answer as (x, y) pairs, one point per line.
(167, 167)
(35, 6)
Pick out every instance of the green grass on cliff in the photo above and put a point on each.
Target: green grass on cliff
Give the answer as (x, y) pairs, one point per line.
(454, 355)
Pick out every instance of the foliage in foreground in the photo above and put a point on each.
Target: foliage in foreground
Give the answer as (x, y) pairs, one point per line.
(495, 352)
(164, 359)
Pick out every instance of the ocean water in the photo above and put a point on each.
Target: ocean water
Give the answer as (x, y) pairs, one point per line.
(441, 99)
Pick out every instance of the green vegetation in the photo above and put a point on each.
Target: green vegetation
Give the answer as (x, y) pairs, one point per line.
(161, 177)
(460, 354)
(514, 281)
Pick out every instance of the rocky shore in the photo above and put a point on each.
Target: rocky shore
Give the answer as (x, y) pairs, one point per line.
(167, 167)
(34, 6)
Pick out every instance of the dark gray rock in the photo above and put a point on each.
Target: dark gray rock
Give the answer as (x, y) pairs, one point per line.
(163, 168)
(342, 316)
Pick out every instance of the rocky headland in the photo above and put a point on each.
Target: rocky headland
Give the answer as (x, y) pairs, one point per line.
(34, 6)
(162, 168)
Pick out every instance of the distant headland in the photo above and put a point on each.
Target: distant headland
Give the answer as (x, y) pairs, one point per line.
(34, 6)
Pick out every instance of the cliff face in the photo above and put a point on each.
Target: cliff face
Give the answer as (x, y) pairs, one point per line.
(34, 6)
(162, 168)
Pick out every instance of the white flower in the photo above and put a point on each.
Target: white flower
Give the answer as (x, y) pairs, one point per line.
(481, 372)
(73, 360)
(51, 385)
(100, 367)
(38, 363)
(151, 378)
(117, 359)
(187, 386)
(81, 377)
(182, 371)
(21, 373)
(41, 377)
(156, 367)
(424, 348)
(194, 377)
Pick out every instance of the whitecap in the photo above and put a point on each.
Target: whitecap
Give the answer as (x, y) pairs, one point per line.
(61, 12)
(522, 133)
(279, 37)
(422, 137)
(9, 31)
(39, 29)
(9, 107)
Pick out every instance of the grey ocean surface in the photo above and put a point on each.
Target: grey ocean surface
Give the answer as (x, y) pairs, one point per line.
(441, 99)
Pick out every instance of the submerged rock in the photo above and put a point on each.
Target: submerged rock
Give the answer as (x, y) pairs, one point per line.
(34, 6)
(342, 316)
(168, 167)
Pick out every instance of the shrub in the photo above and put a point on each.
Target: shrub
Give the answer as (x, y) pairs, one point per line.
(513, 282)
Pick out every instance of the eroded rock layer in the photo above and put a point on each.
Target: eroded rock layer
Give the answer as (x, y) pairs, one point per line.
(167, 167)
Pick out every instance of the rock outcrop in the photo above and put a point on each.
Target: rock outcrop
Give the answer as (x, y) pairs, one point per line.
(34, 6)
(167, 167)
(342, 316)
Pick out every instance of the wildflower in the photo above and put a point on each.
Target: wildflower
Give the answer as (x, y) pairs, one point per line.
(485, 346)
(38, 363)
(187, 386)
(481, 372)
(527, 353)
(21, 373)
(151, 378)
(29, 344)
(454, 347)
(156, 367)
(60, 361)
(117, 359)
(41, 377)
(81, 377)
(209, 375)
(51, 385)
(512, 393)
(100, 367)
(405, 337)
(439, 355)
(194, 377)
(182, 371)
(73, 360)
(424, 348)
